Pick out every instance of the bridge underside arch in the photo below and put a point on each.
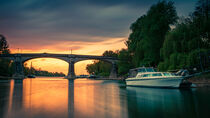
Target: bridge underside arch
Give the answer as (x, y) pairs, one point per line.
(48, 64)
(31, 58)
(111, 70)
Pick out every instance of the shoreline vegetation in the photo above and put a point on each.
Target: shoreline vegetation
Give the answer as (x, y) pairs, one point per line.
(39, 72)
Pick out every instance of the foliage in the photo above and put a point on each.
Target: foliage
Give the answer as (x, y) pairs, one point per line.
(183, 46)
(124, 63)
(101, 68)
(4, 47)
(148, 34)
(5, 65)
(201, 19)
(33, 71)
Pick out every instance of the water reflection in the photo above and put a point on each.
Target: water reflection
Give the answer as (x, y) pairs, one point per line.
(98, 99)
(165, 103)
(4, 97)
(56, 97)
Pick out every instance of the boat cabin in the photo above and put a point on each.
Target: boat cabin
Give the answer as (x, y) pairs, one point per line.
(154, 74)
(135, 71)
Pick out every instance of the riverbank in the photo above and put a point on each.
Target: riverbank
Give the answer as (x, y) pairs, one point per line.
(202, 80)
(106, 78)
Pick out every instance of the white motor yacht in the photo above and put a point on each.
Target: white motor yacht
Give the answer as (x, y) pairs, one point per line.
(147, 77)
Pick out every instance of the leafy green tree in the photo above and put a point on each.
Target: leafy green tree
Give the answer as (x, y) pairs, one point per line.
(148, 34)
(110, 53)
(201, 20)
(101, 68)
(184, 45)
(3, 45)
(5, 65)
(33, 71)
(124, 63)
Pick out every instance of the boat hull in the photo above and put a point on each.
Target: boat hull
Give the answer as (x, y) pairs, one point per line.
(155, 82)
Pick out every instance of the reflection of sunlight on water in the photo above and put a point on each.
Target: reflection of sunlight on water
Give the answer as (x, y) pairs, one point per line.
(93, 99)
(44, 96)
(11, 95)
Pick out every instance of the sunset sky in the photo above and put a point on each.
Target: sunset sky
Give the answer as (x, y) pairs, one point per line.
(87, 27)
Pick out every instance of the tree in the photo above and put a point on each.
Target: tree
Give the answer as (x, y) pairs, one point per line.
(202, 9)
(109, 53)
(148, 33)
(3, 45)
(183, 46)
(124, 63)
(201, 20)
(101, 68)
(5, 65)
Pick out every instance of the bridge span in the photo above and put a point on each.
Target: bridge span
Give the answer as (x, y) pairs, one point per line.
(19, 60)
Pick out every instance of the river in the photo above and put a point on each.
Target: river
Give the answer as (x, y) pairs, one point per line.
(47, 97)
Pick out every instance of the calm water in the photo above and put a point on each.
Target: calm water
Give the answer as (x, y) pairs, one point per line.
(83, 98)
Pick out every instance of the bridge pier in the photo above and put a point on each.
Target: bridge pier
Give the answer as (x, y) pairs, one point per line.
(19, 73)
(113, 73)
(71, 73)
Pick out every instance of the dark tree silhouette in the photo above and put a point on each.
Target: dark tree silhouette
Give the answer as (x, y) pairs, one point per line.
(3, 45)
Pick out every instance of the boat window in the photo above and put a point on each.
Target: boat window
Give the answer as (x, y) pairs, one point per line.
(166, 74)
(173, 74)
(150, 70)
(156, 74)
(146, 75)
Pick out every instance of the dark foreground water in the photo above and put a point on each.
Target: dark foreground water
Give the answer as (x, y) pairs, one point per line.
(83, 98)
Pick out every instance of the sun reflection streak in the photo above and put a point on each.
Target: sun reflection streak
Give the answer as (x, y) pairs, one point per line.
(95, 99)
(42, 96)
(11, 95)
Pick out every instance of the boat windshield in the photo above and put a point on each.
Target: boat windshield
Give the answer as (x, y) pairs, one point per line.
(142, 70)
(150, 70)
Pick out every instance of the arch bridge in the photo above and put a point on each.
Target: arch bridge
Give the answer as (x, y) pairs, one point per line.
(71, 59)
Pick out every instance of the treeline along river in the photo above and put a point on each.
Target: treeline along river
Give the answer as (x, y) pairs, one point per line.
(61, 98)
